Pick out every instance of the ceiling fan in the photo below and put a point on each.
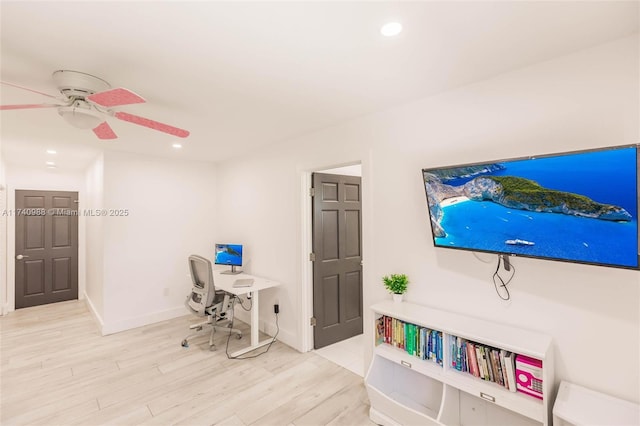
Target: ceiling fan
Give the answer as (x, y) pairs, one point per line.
(85, 101)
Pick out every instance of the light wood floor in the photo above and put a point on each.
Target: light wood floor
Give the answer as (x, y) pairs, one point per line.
(56, 369)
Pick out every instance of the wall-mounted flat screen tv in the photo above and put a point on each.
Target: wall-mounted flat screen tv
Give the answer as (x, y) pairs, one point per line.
(576, 207)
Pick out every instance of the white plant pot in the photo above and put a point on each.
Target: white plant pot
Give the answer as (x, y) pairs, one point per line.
(397, 298)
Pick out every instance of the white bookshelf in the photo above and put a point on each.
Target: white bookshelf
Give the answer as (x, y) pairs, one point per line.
(404, 389)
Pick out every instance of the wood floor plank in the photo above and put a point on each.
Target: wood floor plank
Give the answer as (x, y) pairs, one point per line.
(305, 402)
(61, 414)
(331, 410)
(56, 369)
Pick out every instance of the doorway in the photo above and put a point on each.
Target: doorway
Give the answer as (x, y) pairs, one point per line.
(46, 247)
(337, 278)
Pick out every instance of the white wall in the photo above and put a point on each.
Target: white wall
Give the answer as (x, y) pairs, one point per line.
(585, 100)
(4, 307)
(352, 170)
(41, 178)
(171, 214)
(94, 180)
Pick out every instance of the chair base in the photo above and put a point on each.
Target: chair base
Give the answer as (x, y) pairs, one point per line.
(200, 326)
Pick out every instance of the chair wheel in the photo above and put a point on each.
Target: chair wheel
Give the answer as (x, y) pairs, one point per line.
(185, 344)
(212, 348)
(239, 336)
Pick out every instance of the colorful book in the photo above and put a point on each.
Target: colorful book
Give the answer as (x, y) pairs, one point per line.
(434, 335)
(485, 363)
(497, 369)
(380, 330)
(499, 365)
(504, 369)
(480, 363)
(473, 362)
(510, 363)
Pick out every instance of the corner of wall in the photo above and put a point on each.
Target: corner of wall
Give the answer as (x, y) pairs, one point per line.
(94, 313)
(4, 305)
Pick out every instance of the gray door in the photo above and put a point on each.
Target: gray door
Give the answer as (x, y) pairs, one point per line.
(46, 247)
(337, 269)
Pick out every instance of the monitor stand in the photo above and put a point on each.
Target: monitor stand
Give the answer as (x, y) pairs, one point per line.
(232, 271)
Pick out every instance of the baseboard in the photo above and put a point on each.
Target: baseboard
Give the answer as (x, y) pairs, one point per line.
(94, 313)
(152, 318)
(269, 327)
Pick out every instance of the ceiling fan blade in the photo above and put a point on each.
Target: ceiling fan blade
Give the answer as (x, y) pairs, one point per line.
(28, 106)
(26, 88)
(115, 97)
(104, 131)
(155, 125)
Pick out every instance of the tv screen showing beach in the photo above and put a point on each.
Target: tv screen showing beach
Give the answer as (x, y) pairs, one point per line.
(228, 254)
(579, 207)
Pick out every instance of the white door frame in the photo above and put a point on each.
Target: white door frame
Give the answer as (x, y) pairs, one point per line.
(305, 330)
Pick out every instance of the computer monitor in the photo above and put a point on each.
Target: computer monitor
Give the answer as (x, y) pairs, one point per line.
(229, 254)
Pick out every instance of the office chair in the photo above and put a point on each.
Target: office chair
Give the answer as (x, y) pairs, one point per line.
(204, 300)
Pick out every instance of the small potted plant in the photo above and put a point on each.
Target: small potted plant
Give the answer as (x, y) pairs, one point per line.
(396, 284)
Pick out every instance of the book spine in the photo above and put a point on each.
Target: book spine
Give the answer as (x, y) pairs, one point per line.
(503, 366)
(405, 331)
(434, 335)
(463, 356)
(498, 367)
(387, 330)
(379, 330)
(487, 352)
(485, 365)
(471, 357)
(479, 358)
(510, 363)
(454, 358)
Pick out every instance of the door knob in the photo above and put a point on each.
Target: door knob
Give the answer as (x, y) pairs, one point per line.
(20, 257)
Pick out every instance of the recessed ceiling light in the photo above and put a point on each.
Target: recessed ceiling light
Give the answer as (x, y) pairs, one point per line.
(177, 145)
(50, 163)
(391, 29)
(51, 151)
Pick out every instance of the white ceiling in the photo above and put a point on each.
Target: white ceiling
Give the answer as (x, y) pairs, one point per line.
(242, 75)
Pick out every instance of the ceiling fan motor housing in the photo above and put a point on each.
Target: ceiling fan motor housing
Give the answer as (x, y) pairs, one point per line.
(75, 84)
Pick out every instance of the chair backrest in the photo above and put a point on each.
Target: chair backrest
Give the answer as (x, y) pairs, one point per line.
(203, 291)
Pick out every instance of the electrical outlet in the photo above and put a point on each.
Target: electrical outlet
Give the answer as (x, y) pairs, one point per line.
(166, 291)
(276, 308)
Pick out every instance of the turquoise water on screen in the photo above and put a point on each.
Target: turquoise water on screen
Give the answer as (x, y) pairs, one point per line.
(605, 176)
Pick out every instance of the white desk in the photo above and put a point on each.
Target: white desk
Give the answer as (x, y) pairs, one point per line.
(225, 282)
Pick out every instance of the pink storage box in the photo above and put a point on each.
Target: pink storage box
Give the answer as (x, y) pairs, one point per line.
(529, 376)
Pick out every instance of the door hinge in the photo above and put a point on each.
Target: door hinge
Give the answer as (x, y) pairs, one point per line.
(312, 257)
(312, 192)
(312, 321)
